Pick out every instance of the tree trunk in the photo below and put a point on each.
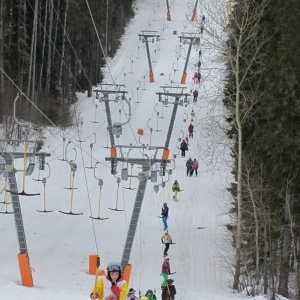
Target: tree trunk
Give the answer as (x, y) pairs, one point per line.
(49, 62)
(43, 52)
(283, 289)
(1, 63)
(60, 78)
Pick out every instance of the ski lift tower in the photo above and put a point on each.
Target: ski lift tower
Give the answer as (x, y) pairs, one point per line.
(9, 171)
(183, 37)
(144, 38)
(147, 161)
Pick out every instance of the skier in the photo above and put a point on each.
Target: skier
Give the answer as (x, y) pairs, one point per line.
(165, 271)
(203, 19)
(175, 189)
(195, 78)
(191, 131)
(113, 286)
(192, 116)
(149, 296)
(183, 148)
(167, 240)
(131, 295)
(169, 291)
(195, 167)
(189, 166)
(195, 93)
(165, 215)
(201, 29)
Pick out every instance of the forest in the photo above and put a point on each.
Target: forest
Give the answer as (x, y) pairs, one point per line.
(262, 98)
(49, 49)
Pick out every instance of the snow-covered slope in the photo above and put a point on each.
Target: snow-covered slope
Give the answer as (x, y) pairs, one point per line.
(59, 245)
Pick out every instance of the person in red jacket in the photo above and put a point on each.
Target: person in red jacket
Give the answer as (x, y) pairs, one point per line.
(113, 286)
(191, 131)
(165, 271)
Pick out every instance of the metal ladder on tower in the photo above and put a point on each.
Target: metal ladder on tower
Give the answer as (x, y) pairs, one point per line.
(134, 219)
(16, 203)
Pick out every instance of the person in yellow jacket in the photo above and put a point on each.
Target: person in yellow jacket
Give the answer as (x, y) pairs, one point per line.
(113, 286)
(175, 188)
(167, 240)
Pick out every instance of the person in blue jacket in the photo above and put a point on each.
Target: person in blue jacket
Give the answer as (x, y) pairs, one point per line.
(165, 215)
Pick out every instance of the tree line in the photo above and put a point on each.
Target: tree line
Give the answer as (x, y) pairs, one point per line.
(49, 49)
(262, 98)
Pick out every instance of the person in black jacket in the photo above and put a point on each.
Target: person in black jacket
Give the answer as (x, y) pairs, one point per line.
(189, 166)
(169, 291)
(183, 148)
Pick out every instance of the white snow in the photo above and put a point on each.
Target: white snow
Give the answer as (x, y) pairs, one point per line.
(59, 245)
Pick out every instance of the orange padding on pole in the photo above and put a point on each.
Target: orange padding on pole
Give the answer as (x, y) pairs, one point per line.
(25, 270)
(113, 152)
(93, 264)
(168, 16)
(183, 78)
(127, 272)
(194, 16)
(166, 154)
(140, 131)
(151, 76)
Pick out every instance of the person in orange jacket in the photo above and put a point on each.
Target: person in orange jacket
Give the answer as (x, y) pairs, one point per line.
(113, 286)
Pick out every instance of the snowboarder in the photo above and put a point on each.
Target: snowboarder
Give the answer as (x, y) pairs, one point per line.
(149, 296)
(189, 166)
(167, 240)
(175, 189)
(165, 271)
(192, 116)
(195, 93)
(169, 291)
(112, 286)
(165, 215)
(195, 167)
(191, 131)
(183, 148)
(131, 294)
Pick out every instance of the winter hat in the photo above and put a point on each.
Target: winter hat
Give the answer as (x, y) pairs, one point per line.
(131, 290)
(166, 258)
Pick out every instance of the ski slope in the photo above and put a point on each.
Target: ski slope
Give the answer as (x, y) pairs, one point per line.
(59, 245)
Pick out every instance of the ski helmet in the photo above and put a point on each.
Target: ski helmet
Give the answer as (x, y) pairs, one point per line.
(114, 267)
(170, 281)
(149, 293)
